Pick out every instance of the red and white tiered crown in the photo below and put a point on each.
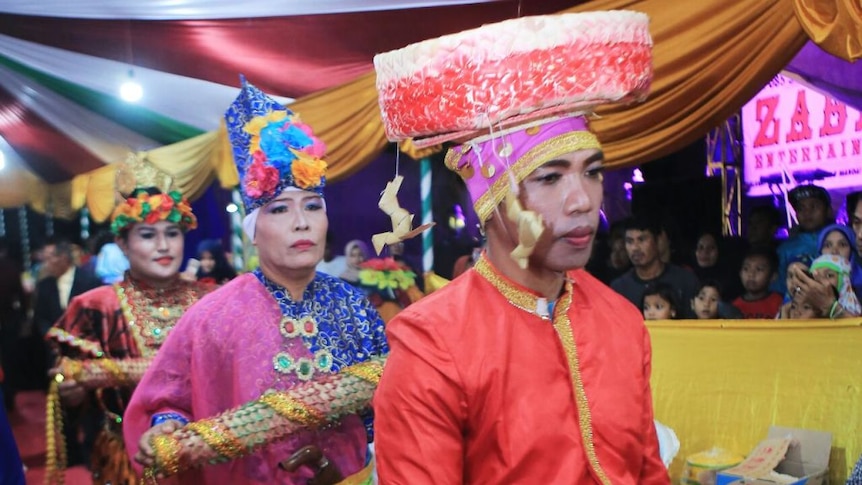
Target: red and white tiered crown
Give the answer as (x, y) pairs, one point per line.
(511, 72)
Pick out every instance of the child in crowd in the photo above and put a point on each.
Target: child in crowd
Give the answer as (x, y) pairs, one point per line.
(800, 310)
(659, 302)
(705, 303)
(759, 269)
(836, 271)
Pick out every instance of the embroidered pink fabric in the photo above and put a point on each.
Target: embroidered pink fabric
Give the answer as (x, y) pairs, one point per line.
(219, 357)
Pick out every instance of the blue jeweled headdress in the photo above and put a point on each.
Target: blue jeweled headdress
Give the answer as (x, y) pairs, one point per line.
(272, 148)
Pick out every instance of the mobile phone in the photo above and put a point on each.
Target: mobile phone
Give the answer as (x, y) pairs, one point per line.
(192, 266)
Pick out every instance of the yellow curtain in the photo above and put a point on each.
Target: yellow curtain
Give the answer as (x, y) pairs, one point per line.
(834, 25)
(193, 163)
(19, 186)
(710, 57)
(723, 383)
(346, 118)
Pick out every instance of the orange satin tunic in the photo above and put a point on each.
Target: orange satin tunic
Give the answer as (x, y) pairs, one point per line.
(479, 389)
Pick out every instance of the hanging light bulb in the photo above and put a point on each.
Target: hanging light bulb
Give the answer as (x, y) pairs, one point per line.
(130, 90)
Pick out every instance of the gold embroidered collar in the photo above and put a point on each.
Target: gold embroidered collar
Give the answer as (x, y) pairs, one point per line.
(518, 296)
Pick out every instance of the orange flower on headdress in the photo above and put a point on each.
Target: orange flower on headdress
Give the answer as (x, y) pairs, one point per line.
(307, 171)
(152, 208)
(256, 124)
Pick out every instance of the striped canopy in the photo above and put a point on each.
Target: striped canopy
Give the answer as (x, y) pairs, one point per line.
(61, 65)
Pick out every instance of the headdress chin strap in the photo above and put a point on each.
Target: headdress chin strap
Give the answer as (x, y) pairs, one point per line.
(250, 220)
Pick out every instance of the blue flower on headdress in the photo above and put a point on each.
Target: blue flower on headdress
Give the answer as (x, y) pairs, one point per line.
(277, 151)
(296, 138)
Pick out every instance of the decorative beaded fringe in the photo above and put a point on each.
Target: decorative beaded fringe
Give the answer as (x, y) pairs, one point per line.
(272, 417)
(55, 461)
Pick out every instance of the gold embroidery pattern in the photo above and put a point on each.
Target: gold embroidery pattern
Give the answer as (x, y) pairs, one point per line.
(151, 313)
(368, 370)
(564, 330)
(114, 369)
(517, 297)
(167, 450)
(67, 338)
(529, 162)
(293, 409)
(218, 436)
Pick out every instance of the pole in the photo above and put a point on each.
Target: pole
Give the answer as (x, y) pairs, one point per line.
(85, 223)
(427, 216)
(236, 237)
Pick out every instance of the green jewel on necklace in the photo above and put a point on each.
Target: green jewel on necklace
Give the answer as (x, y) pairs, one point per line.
(283, 362)
(304, 369)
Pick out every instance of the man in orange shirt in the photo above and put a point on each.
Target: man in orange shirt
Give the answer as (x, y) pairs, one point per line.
(525, 369)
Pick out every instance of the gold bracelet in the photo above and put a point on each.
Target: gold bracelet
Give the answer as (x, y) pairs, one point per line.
(71, 369)
(219, 437)
(113, 368)
(167, 450)
(293, 409)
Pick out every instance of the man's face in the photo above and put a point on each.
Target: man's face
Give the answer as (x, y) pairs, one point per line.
(811, 214)
(567, 194)
(856, 223)
(642, 247)
(55, 263)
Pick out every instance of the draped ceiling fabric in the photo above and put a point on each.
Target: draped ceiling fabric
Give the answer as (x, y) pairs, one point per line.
(710, 59)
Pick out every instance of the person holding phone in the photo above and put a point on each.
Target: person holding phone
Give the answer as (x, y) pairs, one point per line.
(213, 266)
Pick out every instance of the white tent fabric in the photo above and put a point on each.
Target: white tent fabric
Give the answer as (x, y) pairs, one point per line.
(164, 93)
(208, 9)
(105, 139)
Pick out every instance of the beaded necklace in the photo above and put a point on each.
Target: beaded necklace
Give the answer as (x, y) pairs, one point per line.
(304, 325)
(152, 312)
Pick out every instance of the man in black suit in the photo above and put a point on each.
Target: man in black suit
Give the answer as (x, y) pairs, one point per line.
(64, 282)
(53, 294)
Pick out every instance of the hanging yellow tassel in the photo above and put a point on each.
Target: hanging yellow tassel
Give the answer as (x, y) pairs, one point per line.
(55, 461)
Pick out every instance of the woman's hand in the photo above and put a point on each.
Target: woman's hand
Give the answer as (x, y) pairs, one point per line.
(71, 393)
(784, 312)
(818, 294)
(190, 277)
(145, 455)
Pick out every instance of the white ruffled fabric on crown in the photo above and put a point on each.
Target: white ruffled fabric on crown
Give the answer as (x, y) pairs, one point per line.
(511, 72)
